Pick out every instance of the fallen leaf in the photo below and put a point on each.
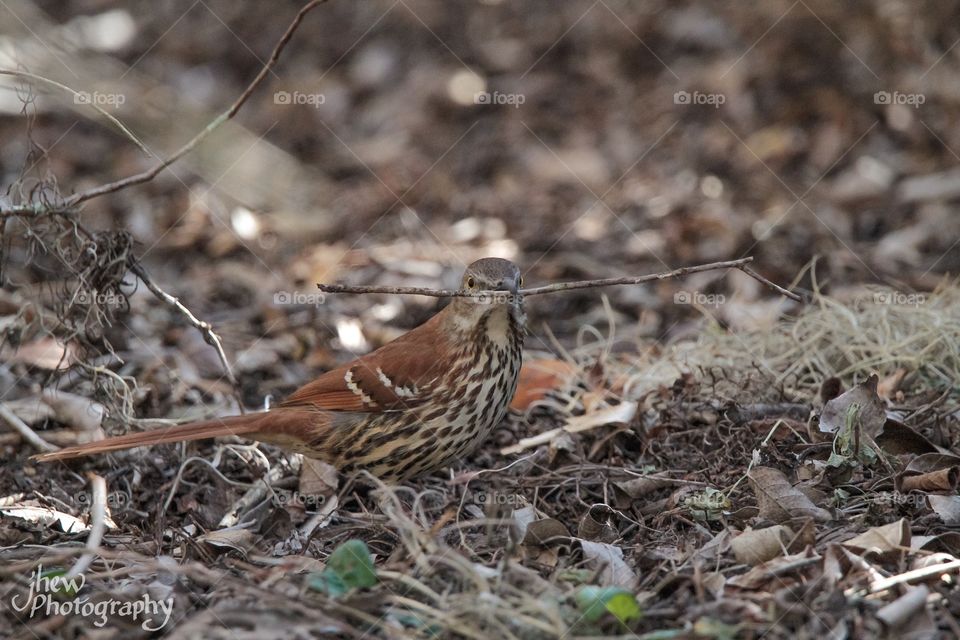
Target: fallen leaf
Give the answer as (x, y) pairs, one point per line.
(887, 387)
(863, 401)
(541, 532)
(79, 412)
(615, 570)
(538, 378)
(598, 524)
(43, 353)
(779, 501)
(235, 538)
(947, 507)
(940, 480)
(46, 517)
(893, 537)
(754, 546)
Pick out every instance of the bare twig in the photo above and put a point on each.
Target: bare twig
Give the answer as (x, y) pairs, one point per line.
(209, 335)
(25, 431)
(564, 286)
(98, 516)
(756, 276)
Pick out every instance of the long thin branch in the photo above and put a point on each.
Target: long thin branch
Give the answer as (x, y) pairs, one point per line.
(740, 264)
(149, 174)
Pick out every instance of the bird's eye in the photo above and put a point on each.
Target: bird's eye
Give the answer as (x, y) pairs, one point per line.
(471, 283)
(520, 281)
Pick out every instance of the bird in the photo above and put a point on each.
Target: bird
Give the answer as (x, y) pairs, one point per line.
(413, 406)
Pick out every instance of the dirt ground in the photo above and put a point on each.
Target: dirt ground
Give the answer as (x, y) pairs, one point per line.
(699, 458)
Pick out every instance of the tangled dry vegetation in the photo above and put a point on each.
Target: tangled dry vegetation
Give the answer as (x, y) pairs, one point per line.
(685, 490)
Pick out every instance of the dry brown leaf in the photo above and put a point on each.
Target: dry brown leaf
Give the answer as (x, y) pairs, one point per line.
(940, 480)
(43, 353)
(887, 538)
(887, 387)
(871, 413)
(947, 507)
(543, 532)
(897, 438)
(76, 411)
(754, 546)
(615, 570)
(317, 478)
(761, 575)
(779, 501)
(241, 540)
(925, 464)
(539, 377)
(598, 524)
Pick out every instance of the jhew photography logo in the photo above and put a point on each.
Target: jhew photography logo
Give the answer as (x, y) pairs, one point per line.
(54, 594)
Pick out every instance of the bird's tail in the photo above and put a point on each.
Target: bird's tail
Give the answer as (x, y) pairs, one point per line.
(233, 425)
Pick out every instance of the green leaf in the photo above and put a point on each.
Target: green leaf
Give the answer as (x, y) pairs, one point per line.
(349, 567)
(596, 601)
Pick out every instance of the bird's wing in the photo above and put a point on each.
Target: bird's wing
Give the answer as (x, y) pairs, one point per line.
(398, 375)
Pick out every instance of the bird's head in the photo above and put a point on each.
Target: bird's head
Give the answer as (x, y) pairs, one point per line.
(496, 282)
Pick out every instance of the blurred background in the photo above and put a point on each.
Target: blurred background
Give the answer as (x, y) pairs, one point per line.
(397, 141)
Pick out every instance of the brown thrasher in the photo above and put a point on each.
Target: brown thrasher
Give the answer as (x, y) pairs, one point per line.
(414, 405)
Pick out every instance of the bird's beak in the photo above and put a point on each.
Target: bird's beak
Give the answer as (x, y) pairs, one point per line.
(509, 284)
